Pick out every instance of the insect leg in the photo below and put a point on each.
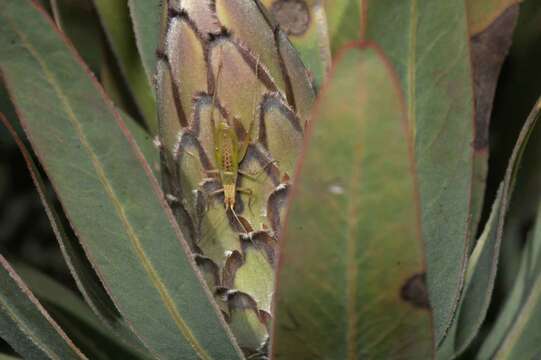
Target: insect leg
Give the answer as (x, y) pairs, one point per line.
(250, 194)
(254, 176)
(216, 192)
(213, 172)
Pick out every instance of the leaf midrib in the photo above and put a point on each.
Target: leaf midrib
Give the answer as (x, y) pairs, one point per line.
(352, 273)
(134, 239)
(22, 324)
(412, 120)
(6, 309)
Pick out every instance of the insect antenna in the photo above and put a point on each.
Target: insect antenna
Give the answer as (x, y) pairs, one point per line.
(215, 92)
(238, 220)
(254, 98)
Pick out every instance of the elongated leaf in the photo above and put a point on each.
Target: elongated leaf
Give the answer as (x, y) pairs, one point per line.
(146, 18)
(6, 108)
(481, 13)
(55, 9)
(484, 263)
(96, 340)
(115, 17)
(485, 247)
(510, 111)
(516, 332)
(114, 84)
(521, 210)
(7, 357)
(512, 307)
(344, 21)
(26, 325)
(108, 191)
(522, 337)
(433, 63)
(352, 237)
(144, 142)
(79, 266)
(79, 22)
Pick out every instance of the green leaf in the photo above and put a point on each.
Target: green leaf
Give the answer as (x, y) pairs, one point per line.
(461, 331)
(351, 273)
(78, 20)
(433, 64)
(146, 17)
(115, 18)
(8, 357)
(6, 108)
(511, 109)
(144, 142)
(74, 316)
(483, 264)
(520, 318)
(344, 22)
(510, 333)
(108, 191)
(114, 84)
(84, 275)
(26, 325)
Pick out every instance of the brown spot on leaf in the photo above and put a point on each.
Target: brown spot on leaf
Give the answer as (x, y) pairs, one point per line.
(489, 49)
(292, 15)
(415, 291)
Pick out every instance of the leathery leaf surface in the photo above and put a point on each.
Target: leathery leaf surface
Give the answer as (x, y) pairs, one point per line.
(108, 191)
(26, 325)
(517, 334)
(214, 71)
(81, 269)
(483, 265)
(351, 276)
(434, 67)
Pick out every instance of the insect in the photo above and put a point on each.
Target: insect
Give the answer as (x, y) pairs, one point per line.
(229, 152)
(228, 155)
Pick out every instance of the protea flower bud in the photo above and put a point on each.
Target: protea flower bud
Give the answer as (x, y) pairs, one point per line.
(233, 101)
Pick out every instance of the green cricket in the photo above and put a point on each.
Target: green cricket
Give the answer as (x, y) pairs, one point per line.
(228, 155)
(229, 152)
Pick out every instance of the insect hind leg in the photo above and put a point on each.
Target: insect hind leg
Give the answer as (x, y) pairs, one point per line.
(250, 194)
(255, 176)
